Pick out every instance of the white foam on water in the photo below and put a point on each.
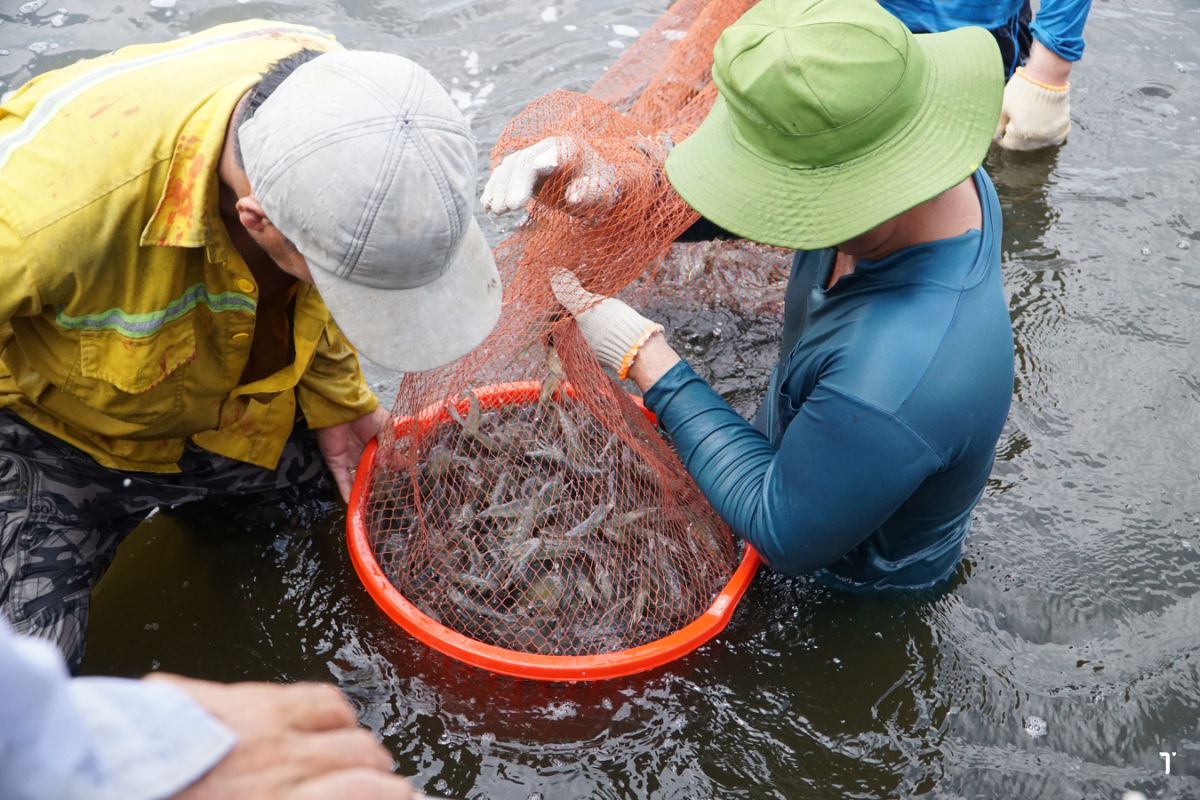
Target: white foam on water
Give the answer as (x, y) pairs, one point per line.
(625, 30)
(162, 3)
(617, 43)
(472, 61)
(560, 710)
(549, 14)
(1036, 727)
(466, 101)
(570, 27)
(37, 48)
(31, 6)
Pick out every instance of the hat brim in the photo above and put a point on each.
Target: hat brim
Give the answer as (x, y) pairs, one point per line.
(413, 330)
(808, 208)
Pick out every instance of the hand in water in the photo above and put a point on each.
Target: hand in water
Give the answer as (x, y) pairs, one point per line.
(299, 742)
(342, 446)
(1037, 108)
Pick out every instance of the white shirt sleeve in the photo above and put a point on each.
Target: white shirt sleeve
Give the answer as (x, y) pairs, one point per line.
(64, 738)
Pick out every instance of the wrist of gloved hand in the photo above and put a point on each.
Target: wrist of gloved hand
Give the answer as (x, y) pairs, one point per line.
(613, 330)
(1034, 114)
(616, 333)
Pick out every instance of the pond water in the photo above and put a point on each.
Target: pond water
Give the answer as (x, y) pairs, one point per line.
(1066, 656)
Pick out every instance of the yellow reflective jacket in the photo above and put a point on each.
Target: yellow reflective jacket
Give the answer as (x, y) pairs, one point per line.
(126, 314)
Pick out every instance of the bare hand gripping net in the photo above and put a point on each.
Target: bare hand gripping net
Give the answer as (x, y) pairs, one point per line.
(524, 500)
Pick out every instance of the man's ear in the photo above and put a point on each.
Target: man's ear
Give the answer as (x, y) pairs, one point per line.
(251, 214)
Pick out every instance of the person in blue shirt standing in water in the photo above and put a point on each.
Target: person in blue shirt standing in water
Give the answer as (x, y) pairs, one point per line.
(841, 134)
(1038, 53)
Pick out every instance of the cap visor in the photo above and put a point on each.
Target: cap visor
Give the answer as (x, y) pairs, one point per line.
(412, 330)
(808, 208)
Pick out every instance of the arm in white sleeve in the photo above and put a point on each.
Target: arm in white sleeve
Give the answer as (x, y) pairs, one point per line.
(64, 738)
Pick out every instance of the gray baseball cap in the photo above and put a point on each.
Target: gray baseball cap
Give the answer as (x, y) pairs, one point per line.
(362, 160)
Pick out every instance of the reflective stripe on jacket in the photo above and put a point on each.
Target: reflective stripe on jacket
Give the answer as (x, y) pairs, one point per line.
(126, 314)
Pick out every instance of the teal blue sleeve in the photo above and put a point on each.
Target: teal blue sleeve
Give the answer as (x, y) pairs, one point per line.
(1059, 26)
(841, 468)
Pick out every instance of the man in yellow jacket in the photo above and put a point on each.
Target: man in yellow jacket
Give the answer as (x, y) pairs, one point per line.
(191, 236)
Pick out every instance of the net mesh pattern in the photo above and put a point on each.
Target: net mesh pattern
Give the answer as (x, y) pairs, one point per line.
(525, 500)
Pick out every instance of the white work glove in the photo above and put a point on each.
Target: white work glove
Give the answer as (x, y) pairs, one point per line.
(520, 175)
(613, 330)
(1034, 114)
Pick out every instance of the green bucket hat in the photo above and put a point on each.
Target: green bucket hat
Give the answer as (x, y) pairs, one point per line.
(833, 118)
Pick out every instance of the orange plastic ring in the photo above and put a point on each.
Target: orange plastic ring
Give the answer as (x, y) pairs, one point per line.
(514, 662)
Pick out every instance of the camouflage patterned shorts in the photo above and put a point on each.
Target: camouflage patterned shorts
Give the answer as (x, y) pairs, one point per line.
(62, 516)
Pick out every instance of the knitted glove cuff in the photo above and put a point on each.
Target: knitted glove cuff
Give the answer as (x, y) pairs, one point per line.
(1049, 87)
(1040, 104)
(616, 332)
(632, 353)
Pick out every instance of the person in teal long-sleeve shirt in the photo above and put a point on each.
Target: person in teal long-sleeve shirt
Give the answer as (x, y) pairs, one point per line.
(841, 134)
(882, 416)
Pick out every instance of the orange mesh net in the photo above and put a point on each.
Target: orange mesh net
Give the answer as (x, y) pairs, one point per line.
(525, 499)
